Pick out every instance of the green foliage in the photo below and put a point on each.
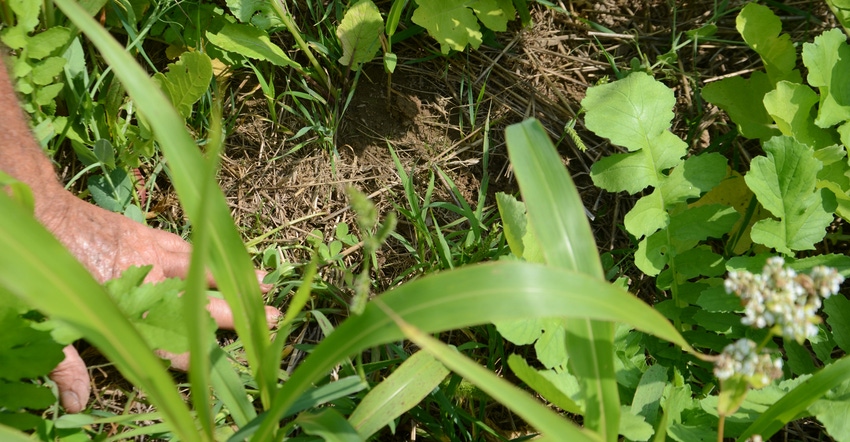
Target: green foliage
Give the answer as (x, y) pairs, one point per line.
(186, 81)
(360, 34)
(455, 24)
(784, 183)
(701, 220)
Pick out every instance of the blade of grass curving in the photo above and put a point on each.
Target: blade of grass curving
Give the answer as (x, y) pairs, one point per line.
(556, 213)
(468, 296)
(229, 388)
(38, 269)
(228, 259)
(197, 318)
(399, 392)
(796, 401)
(536, 414)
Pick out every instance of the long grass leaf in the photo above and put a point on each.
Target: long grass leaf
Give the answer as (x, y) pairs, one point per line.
(470, 296)
(538, 415)
(799, 399)
(557, 216)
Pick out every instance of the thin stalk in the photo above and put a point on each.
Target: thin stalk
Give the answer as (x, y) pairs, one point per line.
(293, 29)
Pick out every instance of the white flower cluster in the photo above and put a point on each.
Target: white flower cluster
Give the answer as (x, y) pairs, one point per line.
(743, 358)
(780, 297)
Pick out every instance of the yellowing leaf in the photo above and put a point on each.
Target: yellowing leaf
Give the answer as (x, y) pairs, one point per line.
(360, 34)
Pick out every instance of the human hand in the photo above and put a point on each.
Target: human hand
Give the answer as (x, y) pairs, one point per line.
(106, 244)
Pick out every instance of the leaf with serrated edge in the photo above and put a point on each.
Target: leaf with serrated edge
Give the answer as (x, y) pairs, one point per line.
(451, 23)
(359, 33)
(790, 105)
(828, 61)
(186, 80)
(784, 184)
(250, 42)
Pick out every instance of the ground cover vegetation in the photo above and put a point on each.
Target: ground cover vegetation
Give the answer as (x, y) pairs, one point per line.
(484, 220)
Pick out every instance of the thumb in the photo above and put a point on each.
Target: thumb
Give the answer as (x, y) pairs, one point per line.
(72, 380)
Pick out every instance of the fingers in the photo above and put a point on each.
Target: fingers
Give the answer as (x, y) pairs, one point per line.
(179, 362)
(72, 380)
(222, 315)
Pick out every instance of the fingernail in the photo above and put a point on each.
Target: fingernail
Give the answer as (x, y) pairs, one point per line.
(71, 402)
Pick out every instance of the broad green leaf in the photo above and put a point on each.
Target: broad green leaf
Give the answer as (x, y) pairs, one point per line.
(634, 427)
(837, 309)
(557, 218)
(494, 14)
(26, 14)
(733, 192)
(542, 384)
(250, 42)
(156, 310)
(792, 107)
(186, 81)
(25, 352)
(798, 400)
(643, 110)
(468, 296)
(828, 61)
(647, 399)
(329, 425)
(743, 100)
(686, 229)
(833, 415)
(113, 192)
(13, 435)
(360, 33)
(761, 30)
(784, 183)
(400, 391)
(43, 44)
(259, 13)
(18, 395)
(690, 179)
(699, 223)
(46, 71)
(450, 22)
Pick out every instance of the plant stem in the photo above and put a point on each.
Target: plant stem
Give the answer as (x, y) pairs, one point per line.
(286, 18)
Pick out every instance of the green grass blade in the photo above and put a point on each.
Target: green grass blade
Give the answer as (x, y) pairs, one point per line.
(556, 214)
(230, 390)
(39, 270)
(796, 401)
(538, 415)
(229, 260)
(470, 296)
(400, 391)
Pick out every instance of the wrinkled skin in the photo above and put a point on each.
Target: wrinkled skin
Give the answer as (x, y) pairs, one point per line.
(105, 243)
